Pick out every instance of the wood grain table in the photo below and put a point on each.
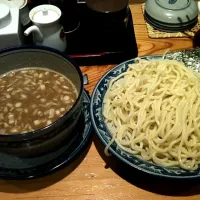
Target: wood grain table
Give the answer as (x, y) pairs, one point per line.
(92, 175)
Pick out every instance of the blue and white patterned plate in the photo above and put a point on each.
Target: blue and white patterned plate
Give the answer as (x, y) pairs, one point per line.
(105, 136)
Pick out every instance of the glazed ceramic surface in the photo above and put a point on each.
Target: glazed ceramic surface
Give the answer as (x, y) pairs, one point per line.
(170, 27)
(172, 11)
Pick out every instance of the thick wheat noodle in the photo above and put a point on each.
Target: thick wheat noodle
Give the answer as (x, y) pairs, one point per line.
(152, 110)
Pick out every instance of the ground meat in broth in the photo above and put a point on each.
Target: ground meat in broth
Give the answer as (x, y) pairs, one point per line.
(33, 98)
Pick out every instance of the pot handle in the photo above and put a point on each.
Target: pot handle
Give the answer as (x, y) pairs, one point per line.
(85, 79)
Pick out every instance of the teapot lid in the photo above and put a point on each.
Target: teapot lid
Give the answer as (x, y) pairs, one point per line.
(45, 14)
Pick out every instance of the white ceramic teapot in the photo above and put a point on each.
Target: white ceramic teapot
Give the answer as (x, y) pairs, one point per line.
(47, 30)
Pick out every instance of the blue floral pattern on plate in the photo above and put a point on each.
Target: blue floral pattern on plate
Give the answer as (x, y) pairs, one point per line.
(105, 136)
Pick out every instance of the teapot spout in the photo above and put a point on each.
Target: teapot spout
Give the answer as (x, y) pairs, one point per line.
(36, 32)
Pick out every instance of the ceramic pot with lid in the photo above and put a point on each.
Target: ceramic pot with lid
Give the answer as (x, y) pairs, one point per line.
(171, 15)
(47, 30)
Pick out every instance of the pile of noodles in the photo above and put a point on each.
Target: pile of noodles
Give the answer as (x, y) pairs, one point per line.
(153, 111)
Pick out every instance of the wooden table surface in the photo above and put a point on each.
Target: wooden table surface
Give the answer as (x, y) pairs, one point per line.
(93, 176)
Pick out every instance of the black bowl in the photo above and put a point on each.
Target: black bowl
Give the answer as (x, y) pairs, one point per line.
(45, 139)
(107, 16)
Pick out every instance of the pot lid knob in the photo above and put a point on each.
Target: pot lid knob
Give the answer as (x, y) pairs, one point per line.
(45, 11)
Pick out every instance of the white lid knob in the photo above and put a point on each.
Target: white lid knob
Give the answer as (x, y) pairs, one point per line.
(45, 11)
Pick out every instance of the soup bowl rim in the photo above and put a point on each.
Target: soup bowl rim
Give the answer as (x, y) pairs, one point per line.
(37, 132)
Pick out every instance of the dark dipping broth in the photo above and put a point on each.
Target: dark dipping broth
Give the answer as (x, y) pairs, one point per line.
(33, 98)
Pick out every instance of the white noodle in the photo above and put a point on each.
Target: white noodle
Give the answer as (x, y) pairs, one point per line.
(153, 111)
